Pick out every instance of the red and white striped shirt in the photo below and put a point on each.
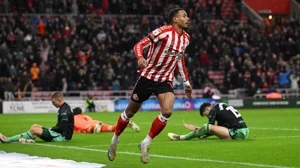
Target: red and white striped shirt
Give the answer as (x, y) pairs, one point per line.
(165, 54)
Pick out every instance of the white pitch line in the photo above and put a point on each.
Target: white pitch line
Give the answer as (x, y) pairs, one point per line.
(199, 141)
(279, 137)
(277, 129)
(168, 157)
(255, 128)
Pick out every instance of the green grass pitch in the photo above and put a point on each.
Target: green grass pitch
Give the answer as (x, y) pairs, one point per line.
(274, 141)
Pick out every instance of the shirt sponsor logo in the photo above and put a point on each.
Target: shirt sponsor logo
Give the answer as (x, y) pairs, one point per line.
(174, 53)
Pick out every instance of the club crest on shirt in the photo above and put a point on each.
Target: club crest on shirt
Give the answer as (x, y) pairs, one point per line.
(135, 97)
(170, 83)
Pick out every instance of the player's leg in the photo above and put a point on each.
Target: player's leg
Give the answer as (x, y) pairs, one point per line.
(141, 92)
(57, 137)
(51, 136)
(165, 98)
(166, 101)
(3, 138)
(221, 132)
(112, 128)
(197, 133)
(204, 131)
(123, 121)
(34, 131)
(108, 128)
(241, 133)
(93, 126)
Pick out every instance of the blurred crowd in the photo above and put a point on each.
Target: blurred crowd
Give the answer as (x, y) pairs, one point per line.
(209, 8)
(88, 52)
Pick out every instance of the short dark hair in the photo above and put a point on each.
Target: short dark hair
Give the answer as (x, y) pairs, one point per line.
(57, 95)
(77, 110)
(202, 107)
(172, 13)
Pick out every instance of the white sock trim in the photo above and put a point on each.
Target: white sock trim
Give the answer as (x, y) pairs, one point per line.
(162, 118)
(124, 117)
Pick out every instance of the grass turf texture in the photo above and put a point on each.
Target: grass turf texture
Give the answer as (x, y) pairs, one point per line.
(273, 141)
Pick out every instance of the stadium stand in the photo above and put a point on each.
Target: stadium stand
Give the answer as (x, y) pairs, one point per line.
(76, 48)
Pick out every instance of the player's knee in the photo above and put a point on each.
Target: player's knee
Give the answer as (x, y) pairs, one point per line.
(34, 126)
(33, 130)
(167, 114)
(206, 128)
(129, 113)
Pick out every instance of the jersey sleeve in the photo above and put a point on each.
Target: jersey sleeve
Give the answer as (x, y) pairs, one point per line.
(212, 116)
(155, 35)
(181, 63)
(138, 47)
(182, 69)
(152, 38)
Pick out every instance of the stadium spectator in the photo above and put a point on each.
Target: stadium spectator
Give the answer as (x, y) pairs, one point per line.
(62, 131)
(156, 77)
(35, 71)
(90, 105)
(231, 124)
(2, 89)
(263, 49)
(295, 79)
(41, 27)
(9, 88)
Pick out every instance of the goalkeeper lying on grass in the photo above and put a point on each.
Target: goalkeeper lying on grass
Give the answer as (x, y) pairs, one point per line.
(86, 124)
(231, 125)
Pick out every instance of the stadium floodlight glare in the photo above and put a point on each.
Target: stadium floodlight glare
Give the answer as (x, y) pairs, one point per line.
(270, 17)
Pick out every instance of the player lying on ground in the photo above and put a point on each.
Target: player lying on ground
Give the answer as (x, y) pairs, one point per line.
(231, 125)
(62, 131)
(85, 124)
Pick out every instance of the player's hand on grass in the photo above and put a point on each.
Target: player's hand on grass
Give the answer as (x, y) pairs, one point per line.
(190, 126)
(142, 62)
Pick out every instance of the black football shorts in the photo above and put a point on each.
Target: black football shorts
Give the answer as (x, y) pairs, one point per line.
(144, 88)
